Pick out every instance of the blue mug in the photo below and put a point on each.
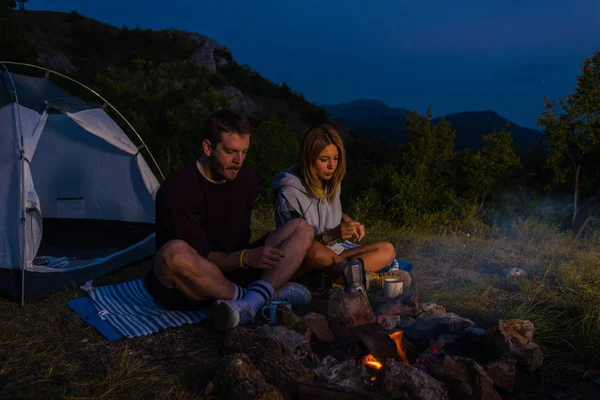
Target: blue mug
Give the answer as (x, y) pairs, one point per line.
(270, 310)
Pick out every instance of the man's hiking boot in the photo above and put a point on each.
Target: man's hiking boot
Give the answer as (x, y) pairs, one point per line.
(295, 293)
(228, 314)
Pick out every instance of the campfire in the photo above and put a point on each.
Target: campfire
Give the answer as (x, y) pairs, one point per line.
(358, 348)
(372, 362)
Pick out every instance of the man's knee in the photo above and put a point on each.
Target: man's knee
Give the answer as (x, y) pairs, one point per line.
(175, 254)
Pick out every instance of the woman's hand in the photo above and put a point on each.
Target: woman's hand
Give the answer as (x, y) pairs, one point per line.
(348, 229)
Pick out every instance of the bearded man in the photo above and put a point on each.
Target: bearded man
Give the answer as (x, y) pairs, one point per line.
(203, 215)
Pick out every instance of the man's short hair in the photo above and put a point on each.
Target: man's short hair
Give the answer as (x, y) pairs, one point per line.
(222, 121)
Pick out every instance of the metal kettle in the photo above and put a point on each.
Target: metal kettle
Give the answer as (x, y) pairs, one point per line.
(353, 274)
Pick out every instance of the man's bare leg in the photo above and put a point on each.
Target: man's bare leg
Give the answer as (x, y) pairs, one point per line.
(177, 265)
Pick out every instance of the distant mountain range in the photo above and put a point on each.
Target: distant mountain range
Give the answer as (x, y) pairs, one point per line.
(378, 120)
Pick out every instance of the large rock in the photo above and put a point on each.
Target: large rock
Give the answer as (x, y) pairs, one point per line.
(514, 339)
(239, 101)
(400, 381)
(319, 327)
(290, 320)
(503, 373)
(465, 379)
(347, 310)
(431, 325)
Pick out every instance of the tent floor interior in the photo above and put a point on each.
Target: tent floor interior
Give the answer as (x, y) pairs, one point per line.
(89, 238)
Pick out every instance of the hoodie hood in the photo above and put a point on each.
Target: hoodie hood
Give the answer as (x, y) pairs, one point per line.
(291, 177)
(292, 193)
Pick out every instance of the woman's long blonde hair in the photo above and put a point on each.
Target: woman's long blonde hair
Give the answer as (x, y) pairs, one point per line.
(316, 138)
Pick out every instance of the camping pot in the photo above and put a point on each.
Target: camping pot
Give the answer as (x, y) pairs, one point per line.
(353, 273)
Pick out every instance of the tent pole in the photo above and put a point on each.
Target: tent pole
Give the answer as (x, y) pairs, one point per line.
(23, 194)
(98, 95)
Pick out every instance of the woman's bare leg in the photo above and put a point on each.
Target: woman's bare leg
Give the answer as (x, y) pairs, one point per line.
(375, 256)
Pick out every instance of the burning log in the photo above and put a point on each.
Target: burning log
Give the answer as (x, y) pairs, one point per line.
(376, 341)
(284, 372)
(238, 378)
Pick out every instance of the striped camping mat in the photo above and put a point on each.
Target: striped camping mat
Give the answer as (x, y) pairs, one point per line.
(129, 308)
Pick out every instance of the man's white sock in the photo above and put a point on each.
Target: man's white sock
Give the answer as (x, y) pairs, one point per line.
(258, 294)
(238, 293)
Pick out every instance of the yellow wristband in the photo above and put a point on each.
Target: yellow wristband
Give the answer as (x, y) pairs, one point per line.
(241, 257)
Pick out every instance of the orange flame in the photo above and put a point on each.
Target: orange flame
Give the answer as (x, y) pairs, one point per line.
(370, 361)
(397, 338)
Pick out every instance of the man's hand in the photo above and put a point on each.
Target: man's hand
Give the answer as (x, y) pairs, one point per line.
(264, 257)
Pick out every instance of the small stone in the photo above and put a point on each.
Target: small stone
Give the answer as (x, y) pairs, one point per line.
(84, 340)
(390, 322)
(432, 308)
(329, 361)
(475, 331)
(514, 273)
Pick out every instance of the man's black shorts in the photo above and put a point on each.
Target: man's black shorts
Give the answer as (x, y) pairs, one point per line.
(173, 299)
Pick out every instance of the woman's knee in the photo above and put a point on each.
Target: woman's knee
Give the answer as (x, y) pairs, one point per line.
(299, 226)
(388, 250)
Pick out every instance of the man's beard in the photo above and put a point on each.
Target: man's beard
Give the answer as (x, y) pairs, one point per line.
(220, 172)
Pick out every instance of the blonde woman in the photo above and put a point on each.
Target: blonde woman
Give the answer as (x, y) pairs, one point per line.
(311, 190)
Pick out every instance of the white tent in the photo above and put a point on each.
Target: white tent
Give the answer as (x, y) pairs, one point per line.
(76, 194)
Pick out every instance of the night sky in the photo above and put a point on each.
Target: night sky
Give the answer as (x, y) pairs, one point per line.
(504, 55)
